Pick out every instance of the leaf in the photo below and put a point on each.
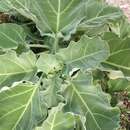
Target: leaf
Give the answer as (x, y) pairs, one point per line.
(3, 6)
(115, 74)
(13, 68)
(51, 16)
(97, 15)
(11, 36)
(119, 85)
(86, 53)
(90, 101)
(120, 52)
(49, 64)
(120, 89)
(80, 121)
(51, 93)
(58, 120)
(122, 28)
(20, 108)
(67, 15)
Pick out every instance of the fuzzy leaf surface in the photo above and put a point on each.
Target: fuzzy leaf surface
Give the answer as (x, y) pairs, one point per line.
(119, 85)
(97, 16)
(90, 101)
(50, 93)
(58, 120)
(120, 53)
(51, 16)
(11, 35)
(86, 53)
(14, 68)
(48, 63)
(20, 108)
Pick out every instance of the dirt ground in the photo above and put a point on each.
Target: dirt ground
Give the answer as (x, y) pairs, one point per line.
(123, 4)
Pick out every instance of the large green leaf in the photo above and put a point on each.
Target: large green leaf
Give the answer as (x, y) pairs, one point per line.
(13, 68)
(20, 108)
(86, 53)
(65, 16)
(90, 101)
(120, 53)
(62, 17)
(97, 16)
(11, 35)
(51, 16)
(49, 64)
(58, 120)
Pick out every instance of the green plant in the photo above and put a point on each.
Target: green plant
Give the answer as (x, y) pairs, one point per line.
(64, 65)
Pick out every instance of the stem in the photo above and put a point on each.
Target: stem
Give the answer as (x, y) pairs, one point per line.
(56, 44)
(38, 46)
(40, 79)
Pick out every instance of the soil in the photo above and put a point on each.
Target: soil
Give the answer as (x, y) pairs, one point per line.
(4, 17)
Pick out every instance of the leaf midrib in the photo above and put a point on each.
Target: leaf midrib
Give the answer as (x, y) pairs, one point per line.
(85, 56)
(53, 121)
(15, 95)
(99, 17)
(20, 72)
(119, 51)
(9, 38)
(85, 104)
(58, 16)
(26, 106)
(116, 65)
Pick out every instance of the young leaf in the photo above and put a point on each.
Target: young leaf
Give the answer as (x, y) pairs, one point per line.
(49, 64)
(58, 120)
(86, 53)
(20, 108)
(90, 101)
(13, 68)
(51, 16)
(80, 121)
(51, 95)
(11, 35)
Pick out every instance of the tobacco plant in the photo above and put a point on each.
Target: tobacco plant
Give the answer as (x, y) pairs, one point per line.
(64, 65)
